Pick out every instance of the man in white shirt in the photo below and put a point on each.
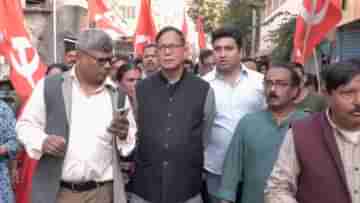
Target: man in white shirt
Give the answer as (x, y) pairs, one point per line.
(72, 126)
(238, 91)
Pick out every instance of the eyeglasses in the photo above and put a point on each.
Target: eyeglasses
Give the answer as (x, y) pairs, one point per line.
(100, 60)
(209, 64)
(277, 84)
(171, 47)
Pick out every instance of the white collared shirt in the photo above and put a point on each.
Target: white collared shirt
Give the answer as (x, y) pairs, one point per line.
(233, 101)
(89, 153)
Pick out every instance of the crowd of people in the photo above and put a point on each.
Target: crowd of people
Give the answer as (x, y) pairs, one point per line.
(110, 129)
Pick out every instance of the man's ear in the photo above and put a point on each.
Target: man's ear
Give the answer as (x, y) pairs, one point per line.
(297, 93)
(186, 50)
(325, 93)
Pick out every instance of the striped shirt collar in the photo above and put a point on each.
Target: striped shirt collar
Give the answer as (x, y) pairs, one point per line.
(350, 136)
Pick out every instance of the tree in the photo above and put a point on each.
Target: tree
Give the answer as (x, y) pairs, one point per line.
(215, 12)
(282, 38)
(212, 12)
(237, 12)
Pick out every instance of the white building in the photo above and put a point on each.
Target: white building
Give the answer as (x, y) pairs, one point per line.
(272, 10)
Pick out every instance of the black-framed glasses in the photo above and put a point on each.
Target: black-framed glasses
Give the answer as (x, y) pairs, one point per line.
(163, 47)
(100, 60)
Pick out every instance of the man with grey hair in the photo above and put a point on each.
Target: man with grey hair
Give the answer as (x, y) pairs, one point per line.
(173, 133)
(72, 126)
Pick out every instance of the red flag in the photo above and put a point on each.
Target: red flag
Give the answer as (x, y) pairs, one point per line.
(201, 32)
(184, 27)
(316, 19)
(26, 71)
(145, 30)
(103, 17)
(26, 67)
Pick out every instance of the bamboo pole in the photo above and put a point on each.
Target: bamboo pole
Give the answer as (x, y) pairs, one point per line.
(317, 70)
(54, 31)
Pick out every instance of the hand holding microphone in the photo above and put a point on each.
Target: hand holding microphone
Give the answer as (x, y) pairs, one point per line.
(119, 126)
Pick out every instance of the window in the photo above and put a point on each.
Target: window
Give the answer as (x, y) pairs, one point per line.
(274, 4)
(36, 3)
(344, 4)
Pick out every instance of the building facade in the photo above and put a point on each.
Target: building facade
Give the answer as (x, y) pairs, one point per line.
(275, 13)
(348, 32)
(71, 17)
(344, 41)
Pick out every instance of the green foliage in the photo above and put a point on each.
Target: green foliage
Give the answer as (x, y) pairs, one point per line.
(239, 15)
(211, 11)
(215, 13)
(283, 40)
(237, 12)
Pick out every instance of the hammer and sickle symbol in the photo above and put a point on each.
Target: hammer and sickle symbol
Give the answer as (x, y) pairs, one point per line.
(23, 66)
(313, 17)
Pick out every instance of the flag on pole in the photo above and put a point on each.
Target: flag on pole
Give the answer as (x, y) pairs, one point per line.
(201, 32)
(26, 67)
(102, 17)
(145, 31)
(26, 71)
(316, 19)
(184, 26)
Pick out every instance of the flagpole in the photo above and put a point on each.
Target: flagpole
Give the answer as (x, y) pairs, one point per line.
(54, 31)
(317, 70)
(307, 34)
(308, 29)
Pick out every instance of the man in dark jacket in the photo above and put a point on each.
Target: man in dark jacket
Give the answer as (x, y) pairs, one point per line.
(175, 111)
(319, 158)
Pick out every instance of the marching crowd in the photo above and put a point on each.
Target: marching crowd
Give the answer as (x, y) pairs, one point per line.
(110, 129)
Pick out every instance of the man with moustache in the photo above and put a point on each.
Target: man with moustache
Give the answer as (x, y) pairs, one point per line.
(258, 136)
(150, 60)
(71, 126)
(319, 159)
(238, 91)
(172, 127)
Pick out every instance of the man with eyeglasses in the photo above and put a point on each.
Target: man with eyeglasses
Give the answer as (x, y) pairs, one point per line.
(72, 127)
(258, 136)
(150, 60)
(174, 111)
